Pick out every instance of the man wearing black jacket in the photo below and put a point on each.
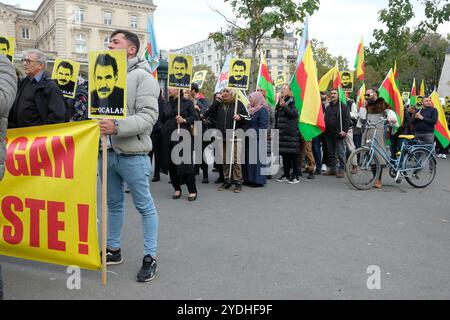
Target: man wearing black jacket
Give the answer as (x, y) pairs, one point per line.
(425, 121)
(337, 123)
(39, 100)
(222, 112)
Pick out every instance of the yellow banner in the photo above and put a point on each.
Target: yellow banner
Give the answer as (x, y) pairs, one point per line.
(48, 195)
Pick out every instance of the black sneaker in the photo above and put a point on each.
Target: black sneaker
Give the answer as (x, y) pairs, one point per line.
(294, 180)
(148, 270)
(113, 257)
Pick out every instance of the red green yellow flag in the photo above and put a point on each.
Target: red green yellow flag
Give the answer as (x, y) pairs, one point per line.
(337, 84)
(359, 62)
(441, 131)
(306, 92)
(390, 93)
(327, 78)
(396, 75)
(265, 82)
(422, 89)
(361, 96)
(413, 98)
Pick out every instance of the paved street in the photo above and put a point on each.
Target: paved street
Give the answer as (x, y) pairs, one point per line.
(314, 240)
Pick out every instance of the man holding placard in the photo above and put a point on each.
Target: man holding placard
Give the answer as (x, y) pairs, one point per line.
(129, 144)
(230, 114)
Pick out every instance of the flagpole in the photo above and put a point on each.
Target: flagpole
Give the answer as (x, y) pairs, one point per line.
(232, 140)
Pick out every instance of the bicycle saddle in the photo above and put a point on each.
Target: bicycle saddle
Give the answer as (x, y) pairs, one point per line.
(407, 137)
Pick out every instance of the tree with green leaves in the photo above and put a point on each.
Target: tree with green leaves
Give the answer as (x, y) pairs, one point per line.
(401, 36)
(261, 17)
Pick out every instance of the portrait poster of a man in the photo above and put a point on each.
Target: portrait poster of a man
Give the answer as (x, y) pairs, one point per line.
(239, 74)
(107, 82)
(7, 47)
(180, 71)
(65, 73)
(199, 78)
(281, 79)
(347, 80)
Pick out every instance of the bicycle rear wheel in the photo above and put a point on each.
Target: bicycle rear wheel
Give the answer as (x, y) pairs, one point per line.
(425, 168)
(367, 170)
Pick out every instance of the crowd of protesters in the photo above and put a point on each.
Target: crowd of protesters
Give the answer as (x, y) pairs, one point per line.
(144, 139)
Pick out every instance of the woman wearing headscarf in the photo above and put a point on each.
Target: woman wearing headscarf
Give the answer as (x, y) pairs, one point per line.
(170, 120)
(259, 112)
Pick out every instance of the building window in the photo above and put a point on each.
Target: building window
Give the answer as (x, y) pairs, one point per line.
(134, 22)
(79, 15)
(209, 58)
(107, 18)
(106, 42)
(80, 43)
(25, 33)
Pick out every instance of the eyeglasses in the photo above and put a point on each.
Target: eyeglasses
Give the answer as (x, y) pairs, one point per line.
(368, 95)
(28, 61)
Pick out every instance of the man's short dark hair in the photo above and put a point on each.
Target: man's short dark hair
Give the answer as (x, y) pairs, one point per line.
(4, 40)
(194, 87)
(180, 59)
(129, 36)
(106, 60)
(347, 74)
(239, 63)
(66, 65)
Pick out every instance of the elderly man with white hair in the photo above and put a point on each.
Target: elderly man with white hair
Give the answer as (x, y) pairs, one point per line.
(39, 100)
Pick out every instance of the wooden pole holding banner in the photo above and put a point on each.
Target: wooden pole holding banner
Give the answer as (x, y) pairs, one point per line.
(179, 107)
(232, 140)
(104, 207)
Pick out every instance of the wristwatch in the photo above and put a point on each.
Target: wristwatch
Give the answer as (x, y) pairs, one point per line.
(116, 127)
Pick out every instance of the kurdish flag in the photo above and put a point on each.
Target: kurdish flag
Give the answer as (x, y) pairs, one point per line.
(265, 82)
(359, 62)
(441, 131)
(361, 96)
(413, 98)
(389, 92)
(422, 89)
(306, 91)
(331, 75)
(337, 84)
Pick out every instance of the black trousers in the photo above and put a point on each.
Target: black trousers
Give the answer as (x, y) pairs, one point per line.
(177, 180)
(156, 151)
(290, 161)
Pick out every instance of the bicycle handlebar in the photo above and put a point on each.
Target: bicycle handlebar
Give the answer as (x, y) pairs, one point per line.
(370, 123)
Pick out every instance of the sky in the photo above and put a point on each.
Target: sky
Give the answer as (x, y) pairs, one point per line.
(339, 24)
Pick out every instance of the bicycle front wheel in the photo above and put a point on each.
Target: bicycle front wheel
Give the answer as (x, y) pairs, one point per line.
(424, 168)
(367, 170)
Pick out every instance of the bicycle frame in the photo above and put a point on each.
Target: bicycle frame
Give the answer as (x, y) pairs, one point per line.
(397, 164)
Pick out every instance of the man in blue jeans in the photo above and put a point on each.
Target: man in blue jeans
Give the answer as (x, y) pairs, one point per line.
(128, 146)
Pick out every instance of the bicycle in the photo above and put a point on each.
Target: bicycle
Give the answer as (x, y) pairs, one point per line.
(415, 162)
